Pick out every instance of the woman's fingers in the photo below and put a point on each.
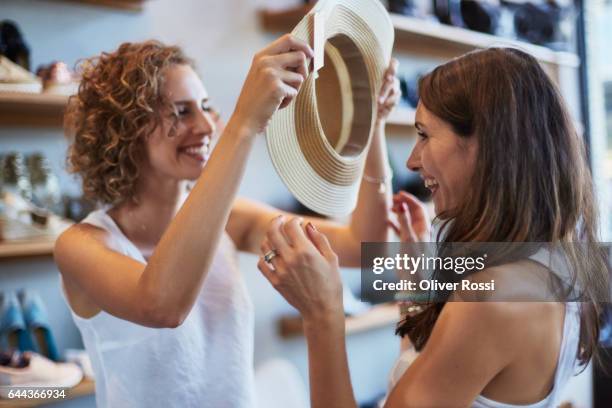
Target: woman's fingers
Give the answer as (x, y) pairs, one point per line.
(407, 233)
(295, 233)
(288, 43)
(290, 94)
(414, 204)
(385, 91)
(394, 227)
(392, 99)
(276, 238)
(390, 74)
(291, 86)
(268, 272)
(274, 79)
(296, 61)
(291, 78)
(308, 279)
(389, 91)
(393, 66)
(320, 242)
(419, 220)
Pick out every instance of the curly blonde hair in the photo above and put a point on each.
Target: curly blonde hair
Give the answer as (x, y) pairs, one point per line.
(120, 101)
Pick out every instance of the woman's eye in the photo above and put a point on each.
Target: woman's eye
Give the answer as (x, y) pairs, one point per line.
(206, 106)
(422, 135)
(182, 111)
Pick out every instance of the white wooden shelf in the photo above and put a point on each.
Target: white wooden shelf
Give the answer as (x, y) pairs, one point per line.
(128, 5)
(378, 316)
(401, 116)
(415, 29)
(32, 109)
(425, 34)
(26, 248)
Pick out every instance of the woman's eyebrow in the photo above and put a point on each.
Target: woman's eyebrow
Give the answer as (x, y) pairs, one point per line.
(188, 101)
(419, 125)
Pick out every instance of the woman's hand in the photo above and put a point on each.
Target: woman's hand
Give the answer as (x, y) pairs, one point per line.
(413, 223)
(389, 92)
(305, 270)
(276, 74)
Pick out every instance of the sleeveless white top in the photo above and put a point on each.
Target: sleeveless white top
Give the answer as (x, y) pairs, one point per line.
(205, 362)
(566, 362)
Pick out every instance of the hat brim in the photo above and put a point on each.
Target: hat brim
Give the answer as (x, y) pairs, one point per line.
(323, 179)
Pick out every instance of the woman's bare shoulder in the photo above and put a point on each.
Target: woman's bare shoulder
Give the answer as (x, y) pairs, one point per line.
(76, 239)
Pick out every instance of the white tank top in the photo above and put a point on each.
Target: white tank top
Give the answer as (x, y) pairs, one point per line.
(566, 362)
(205, 362)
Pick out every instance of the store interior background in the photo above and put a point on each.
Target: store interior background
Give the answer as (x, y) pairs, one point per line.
(222, 37)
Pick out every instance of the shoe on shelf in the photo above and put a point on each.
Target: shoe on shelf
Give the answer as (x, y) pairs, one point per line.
(14, 78)
(80, 358)
(12, 358)
(12, 323)
(58, 79)
(37, 323)
(38, 371)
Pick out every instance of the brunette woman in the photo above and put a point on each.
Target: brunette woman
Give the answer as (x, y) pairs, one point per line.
(503, 161)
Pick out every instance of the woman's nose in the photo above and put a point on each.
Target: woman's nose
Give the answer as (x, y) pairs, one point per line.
(205, 122)
(414, 160)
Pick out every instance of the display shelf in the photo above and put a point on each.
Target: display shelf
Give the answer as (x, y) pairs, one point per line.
(129, 5)
(411, 29)
(378, 316)
(283, 20)
(85, 388)
(425, 34)
(32, 109)
(26, 248)
(401, 116)
(21, 237)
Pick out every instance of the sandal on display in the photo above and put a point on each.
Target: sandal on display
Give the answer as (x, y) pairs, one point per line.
(12, 323)
(37, 323)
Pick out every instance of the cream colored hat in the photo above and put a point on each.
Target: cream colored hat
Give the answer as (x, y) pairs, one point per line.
(318, 143)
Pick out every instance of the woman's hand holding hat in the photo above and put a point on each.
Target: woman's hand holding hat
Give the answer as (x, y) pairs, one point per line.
(389, 92)
(276, 74)
(304, 269)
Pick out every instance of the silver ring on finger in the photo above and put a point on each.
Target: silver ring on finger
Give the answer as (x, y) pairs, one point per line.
(270, 255)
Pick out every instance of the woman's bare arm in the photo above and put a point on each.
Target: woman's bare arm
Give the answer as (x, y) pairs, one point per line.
(162, 293)
(249, 220)
(470, 343)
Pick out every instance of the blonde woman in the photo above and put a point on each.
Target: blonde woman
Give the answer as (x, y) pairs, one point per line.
(151, 278)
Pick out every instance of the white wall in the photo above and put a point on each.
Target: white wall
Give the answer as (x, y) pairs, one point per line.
(222, 37)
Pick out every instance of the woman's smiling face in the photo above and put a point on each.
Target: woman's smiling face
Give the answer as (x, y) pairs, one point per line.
(181, 146)
(445, 160)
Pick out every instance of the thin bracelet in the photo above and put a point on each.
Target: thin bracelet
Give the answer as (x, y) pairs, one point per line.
(381, 181)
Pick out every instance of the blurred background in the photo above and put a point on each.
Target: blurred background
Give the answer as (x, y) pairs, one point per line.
(42, 40)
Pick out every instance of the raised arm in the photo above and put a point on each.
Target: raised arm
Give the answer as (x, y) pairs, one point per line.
(162, 293)
(249, 220)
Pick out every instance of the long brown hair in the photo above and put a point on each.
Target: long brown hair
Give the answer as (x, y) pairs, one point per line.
(531, 182)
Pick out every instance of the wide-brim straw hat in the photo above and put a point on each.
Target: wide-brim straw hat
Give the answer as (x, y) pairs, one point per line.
(319, 142)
